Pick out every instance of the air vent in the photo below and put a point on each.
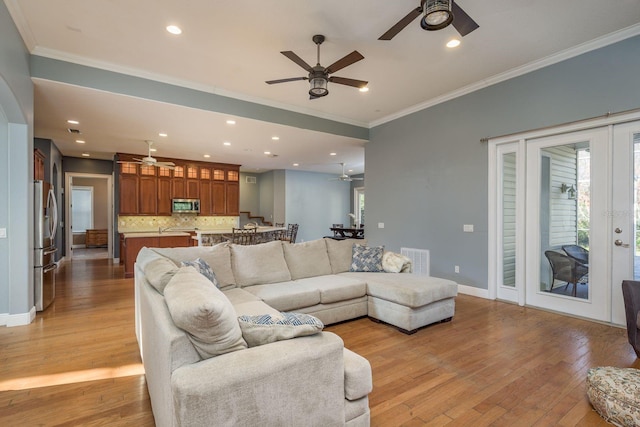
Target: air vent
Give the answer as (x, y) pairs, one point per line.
(76, 131)
(250, 179)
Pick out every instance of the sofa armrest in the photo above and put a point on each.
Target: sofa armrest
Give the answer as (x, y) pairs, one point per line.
(286, 383)
(631, 295)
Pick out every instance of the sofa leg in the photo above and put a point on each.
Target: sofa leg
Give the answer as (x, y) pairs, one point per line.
(404, 331)
(374, 320)
(448, 319)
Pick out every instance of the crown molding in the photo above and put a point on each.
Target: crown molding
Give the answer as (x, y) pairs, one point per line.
(606, 40)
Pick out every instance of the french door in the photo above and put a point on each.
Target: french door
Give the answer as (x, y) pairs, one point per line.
(557, 191)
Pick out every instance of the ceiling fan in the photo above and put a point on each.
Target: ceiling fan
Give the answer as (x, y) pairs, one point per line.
(150, 161)
(438, 14)
(345, 177)
(319, 75)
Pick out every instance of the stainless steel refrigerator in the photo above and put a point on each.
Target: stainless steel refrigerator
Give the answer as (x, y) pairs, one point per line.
(46, 223)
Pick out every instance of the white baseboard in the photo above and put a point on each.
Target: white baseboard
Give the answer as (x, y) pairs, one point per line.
(473, 291)
(20, 319)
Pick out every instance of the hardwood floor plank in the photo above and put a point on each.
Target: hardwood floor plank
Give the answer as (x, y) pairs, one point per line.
(495, 364)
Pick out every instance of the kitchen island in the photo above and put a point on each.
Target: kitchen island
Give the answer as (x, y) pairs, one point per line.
(131, 243)
(215, 236)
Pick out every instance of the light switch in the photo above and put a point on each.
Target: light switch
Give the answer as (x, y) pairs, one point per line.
(467, 228)
(3, 233)
(381, 225)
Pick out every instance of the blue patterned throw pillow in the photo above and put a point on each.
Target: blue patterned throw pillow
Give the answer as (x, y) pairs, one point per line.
(203, 268)
(265, 328)
(366, 258)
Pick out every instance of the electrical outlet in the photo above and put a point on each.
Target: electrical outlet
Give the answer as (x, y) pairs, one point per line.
(467, 228)
(381, 225)
(456, 269)
(3, 233)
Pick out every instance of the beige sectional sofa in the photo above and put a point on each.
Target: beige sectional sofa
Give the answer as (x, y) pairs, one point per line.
(200, 369)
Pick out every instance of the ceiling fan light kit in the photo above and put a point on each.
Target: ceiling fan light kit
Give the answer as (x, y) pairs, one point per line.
(437, 15)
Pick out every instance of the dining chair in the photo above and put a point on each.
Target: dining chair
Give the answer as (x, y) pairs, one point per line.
(243, 236)
(279, 224)
(291, 233)
(566, 269)
(335, 233)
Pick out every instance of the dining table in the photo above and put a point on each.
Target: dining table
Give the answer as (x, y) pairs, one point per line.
(349, 232)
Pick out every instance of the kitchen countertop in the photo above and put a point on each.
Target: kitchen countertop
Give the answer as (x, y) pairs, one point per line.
(262, 229)
(155, 234)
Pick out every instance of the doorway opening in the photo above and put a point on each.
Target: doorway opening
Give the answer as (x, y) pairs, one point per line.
(89, 215)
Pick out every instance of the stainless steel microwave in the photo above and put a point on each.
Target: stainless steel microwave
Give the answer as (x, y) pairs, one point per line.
(185, 205)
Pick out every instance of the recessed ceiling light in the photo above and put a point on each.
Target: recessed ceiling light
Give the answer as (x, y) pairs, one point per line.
(227, 143)
(162, 134)
(79, 141)
(231, 122)
(333, 154)
(453, 43)
(174, 29)
(296, 164)
(364, 89)
(73, 122)
(206, 156)
(86, 155)
(275, 138)
(267, 152)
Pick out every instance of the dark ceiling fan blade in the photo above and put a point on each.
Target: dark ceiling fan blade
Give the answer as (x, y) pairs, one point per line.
(291, 79)
(461, 21)
(393, 31)
(295, 58)
(348, 82)
(345, 61)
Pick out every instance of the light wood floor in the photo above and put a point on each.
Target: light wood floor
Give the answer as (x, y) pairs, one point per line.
(495, 364)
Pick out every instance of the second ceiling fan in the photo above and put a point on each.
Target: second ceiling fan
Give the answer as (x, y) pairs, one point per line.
(319, 75)
(438, 14)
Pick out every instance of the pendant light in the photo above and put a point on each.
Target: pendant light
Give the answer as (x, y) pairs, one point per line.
(437, 15)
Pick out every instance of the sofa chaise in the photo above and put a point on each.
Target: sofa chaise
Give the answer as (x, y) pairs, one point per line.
(210, 358)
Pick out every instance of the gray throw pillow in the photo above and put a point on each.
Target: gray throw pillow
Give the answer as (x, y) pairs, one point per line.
(367, 259)
(203, 268)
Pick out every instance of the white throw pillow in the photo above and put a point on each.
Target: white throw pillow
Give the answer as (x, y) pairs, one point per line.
(204, 312)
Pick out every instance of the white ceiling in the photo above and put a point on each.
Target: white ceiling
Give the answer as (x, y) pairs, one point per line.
(230, 47)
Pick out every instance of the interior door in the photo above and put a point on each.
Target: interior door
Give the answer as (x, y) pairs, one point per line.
(624, 235)
(567, 203)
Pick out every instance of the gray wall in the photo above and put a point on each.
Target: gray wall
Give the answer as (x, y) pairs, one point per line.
(250, 194)
(265, 197)
(16, 174)
(314, 202)
(427, 172)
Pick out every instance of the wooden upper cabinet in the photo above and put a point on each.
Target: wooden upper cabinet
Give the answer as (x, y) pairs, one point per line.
(164, 195)
(38, 165)
(129, 194)
(148, 190)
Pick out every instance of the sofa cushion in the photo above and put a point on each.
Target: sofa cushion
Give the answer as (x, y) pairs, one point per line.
(218, 257)
(287, 296)
(357, 376)
(396, 263)
(203, 268)
(204, 312)
(615, 394)
(159, 272)
(335, 288)
(340, 252)
(265, 329)
(307, 259)
(407, 289)
(259, 264)
(367, 259)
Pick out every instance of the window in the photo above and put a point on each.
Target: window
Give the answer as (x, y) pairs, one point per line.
(82, 208)
(359, 204)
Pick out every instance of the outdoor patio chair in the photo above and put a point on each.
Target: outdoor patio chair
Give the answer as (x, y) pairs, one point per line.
(566, 269)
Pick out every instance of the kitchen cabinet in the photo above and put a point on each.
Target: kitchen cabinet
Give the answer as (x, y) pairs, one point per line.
(131, 245)
(38, 165)
(148, 190)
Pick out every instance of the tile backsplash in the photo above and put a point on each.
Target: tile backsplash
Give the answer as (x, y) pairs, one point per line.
(129, 224)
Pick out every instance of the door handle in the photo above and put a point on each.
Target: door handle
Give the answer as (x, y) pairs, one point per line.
(618, 242)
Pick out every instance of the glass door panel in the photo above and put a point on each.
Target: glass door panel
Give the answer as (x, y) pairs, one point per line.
(566, 178)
